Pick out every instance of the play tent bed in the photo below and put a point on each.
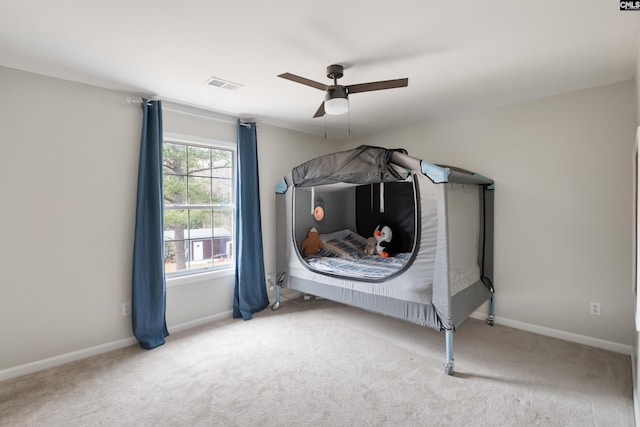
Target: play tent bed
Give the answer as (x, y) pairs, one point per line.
(442, 222)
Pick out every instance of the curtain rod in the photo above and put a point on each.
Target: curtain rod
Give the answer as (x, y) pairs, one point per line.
(135, 101)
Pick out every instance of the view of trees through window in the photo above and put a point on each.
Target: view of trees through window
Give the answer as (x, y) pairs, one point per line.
(198, 207)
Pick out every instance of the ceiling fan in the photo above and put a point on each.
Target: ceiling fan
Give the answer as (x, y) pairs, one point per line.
(336, 99)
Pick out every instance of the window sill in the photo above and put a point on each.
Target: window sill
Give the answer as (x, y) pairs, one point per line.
(199, 277)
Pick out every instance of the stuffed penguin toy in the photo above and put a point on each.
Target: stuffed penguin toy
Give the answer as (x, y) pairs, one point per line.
(312, 244)
(386, 246)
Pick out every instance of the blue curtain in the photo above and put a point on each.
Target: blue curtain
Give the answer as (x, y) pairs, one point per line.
(148, 299)
(250, 293)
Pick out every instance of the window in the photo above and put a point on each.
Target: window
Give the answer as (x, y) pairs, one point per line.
(199, 207)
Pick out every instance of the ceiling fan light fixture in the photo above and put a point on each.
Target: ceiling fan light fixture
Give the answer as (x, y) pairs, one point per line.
(336, 106)
(336, 101)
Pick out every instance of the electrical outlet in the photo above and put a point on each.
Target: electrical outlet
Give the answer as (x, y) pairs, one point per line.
(595, 308)
(126, 308)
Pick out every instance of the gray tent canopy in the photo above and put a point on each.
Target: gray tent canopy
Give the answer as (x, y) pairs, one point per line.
(368, 164)
(444, 215)
(362, 165)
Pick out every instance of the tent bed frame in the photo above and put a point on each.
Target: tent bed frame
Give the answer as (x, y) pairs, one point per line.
(438, 304)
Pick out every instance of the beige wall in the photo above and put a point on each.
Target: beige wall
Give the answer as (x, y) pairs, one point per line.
(68, 170)
(563, 201)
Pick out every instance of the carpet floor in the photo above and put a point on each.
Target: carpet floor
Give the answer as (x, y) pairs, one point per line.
(318, 363)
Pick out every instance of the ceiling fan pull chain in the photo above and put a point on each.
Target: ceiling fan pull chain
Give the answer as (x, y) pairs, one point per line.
(325, 127)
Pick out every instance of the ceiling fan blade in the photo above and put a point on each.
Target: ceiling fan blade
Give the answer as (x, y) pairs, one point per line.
(304, 81)
(320, 111)
(385, 84)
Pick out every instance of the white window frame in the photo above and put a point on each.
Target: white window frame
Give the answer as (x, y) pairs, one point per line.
(187, 277)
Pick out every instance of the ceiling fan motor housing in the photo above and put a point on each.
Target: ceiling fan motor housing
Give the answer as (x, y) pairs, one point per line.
(335, 71)
(336, 92)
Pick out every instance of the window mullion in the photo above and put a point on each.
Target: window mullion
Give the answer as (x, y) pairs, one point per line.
(225, 207)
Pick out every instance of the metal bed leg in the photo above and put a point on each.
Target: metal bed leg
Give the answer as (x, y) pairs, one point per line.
(448, 366)
(276, 305)
(491, 316)
(279, 280)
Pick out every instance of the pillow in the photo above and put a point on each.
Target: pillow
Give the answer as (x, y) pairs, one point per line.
(344, 248)
(327, 251)
(357, 240)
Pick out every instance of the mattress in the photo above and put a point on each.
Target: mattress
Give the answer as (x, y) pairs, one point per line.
(343, 255)
(368, 267)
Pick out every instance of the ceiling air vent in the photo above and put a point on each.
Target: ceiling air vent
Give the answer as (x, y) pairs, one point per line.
(223, 84)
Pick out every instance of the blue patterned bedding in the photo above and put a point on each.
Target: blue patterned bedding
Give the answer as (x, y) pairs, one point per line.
(345, 257)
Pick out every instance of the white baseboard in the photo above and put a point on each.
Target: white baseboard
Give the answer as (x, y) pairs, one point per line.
(50, 362)
(555, 333)
(199, 322)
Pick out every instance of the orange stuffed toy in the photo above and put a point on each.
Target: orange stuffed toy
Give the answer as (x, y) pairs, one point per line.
(312, 244)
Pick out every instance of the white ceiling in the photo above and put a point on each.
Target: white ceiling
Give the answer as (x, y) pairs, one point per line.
(458, 55)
